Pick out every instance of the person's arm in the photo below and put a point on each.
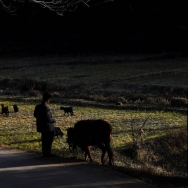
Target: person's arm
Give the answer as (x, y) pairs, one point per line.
(49, 117)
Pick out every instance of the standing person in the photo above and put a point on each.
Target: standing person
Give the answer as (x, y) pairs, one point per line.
(45, 124)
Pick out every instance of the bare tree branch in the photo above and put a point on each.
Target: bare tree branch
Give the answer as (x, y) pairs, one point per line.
(9, 7)
(58, 6)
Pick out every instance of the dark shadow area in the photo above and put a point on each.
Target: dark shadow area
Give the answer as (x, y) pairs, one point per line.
(15, 158)
(22, 169)
(116, 27)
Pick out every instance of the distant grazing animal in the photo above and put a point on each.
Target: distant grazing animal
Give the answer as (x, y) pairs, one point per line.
(15, 108)
(87, 133)
(58, 132)
(67, 110)
(5, 109)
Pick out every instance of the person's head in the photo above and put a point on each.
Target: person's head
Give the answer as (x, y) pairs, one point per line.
(46, 97)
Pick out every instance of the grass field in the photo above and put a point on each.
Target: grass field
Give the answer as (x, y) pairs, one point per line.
(97, 70)
(93, 85)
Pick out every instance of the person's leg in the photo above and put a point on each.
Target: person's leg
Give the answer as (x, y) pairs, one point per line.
(50, 141)
(44, 139)
(47, 139)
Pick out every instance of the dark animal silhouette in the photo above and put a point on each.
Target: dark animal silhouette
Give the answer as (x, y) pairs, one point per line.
(67, 110)
(87, 133)
(15, 108)
(58, 132)
(5, 109)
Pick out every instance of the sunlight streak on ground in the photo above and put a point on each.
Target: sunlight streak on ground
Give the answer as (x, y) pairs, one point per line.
(34, 167)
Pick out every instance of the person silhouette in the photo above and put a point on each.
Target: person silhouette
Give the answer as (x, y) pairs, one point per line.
(45, 124)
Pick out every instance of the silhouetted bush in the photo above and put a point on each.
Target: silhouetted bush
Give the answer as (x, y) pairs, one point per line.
(34, 93)
(179, 102)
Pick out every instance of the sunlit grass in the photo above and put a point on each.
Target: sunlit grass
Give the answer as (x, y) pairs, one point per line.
(18, 130)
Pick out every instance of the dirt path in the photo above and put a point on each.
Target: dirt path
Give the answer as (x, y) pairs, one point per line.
(24, 170)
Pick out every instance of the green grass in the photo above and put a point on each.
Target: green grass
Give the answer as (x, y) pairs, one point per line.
(19, 129)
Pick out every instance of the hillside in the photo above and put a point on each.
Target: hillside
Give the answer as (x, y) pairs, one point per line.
(122, 81)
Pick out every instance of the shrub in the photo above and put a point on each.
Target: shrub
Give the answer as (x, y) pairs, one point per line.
(179, 102)
(162, 101)
(34, 93)
(123, 100)
(56, 95)
(168, 152)
(29, 84)
(151, 100)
